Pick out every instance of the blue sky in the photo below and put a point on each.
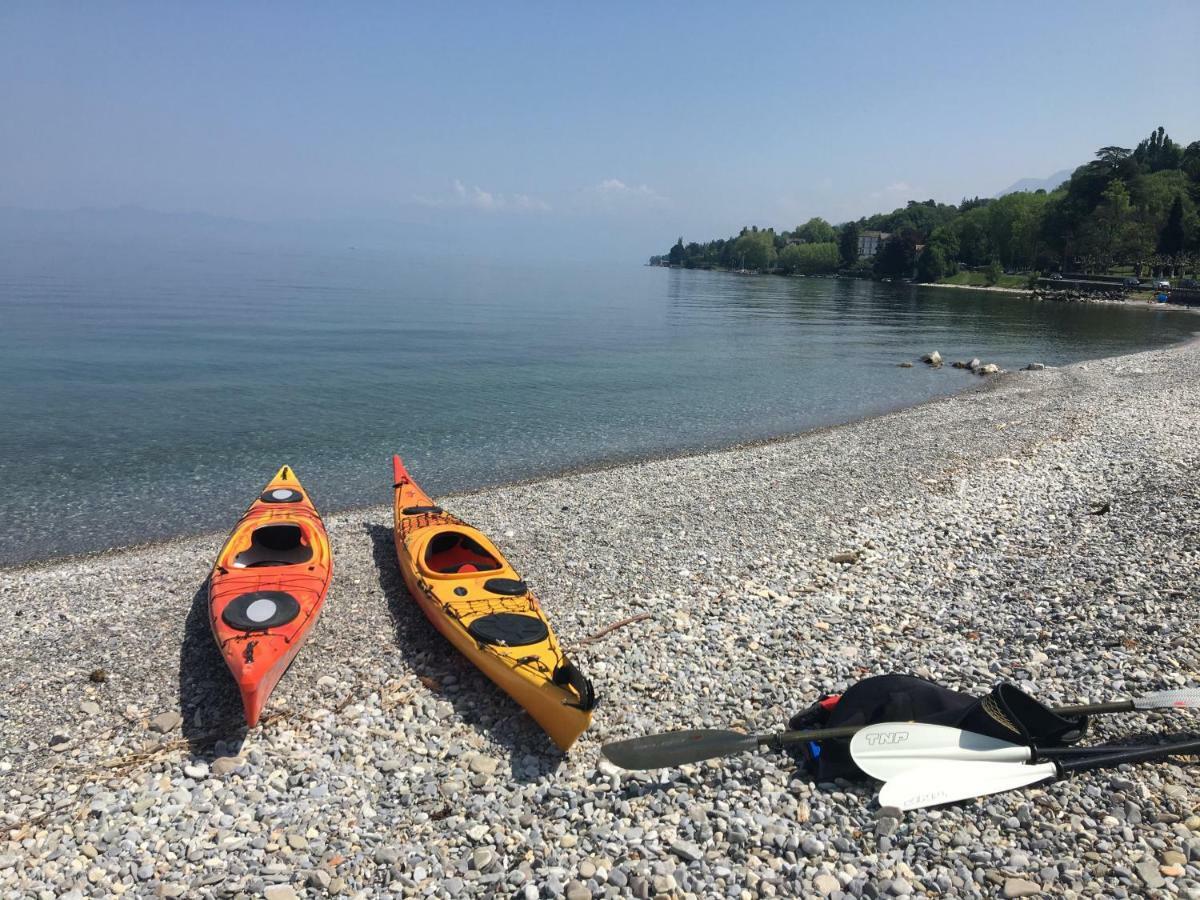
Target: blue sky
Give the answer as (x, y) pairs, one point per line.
(569, 128)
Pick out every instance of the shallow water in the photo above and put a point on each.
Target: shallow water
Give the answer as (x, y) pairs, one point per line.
(151, 395)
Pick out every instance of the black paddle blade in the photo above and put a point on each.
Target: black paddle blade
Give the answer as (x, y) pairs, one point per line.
(676, 748)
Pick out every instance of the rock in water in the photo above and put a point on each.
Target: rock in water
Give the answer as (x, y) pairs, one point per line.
(934, 359)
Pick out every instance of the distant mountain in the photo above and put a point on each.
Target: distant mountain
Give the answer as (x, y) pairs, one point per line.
(1034, 184)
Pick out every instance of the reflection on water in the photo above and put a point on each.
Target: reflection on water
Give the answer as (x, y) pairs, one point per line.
(145, 398)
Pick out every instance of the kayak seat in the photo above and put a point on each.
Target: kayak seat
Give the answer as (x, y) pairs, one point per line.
(508, 629)
(274, 545)
(451, 553)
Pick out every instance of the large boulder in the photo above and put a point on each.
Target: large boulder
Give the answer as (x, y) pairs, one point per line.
(934, 359)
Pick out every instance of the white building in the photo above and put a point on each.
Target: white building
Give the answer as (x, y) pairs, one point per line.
(869, 242)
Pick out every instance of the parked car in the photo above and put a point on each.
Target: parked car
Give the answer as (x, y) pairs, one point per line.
(1162, 285)
(1131, 282)
(1056, 276)
(1189, 283)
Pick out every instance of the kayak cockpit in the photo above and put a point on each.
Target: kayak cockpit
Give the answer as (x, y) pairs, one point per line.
(274, 545)
(454, 552)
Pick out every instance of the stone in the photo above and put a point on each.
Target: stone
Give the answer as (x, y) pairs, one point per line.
(988, 369)
(577, 890)
(224, 765)
(934, 359)
(1148, 871)
(1035, 367)
(484, 765)
(1021, 887)
(280, 892)
(826, 884)
(297, 841)
(197, 769)
(166, 722)
(904, 365)
(320, 879)
(386, 856)
(686, 851)
(89, 708)
(664, 884)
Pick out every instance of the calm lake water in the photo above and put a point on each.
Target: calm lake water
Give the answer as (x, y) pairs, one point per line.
(153, 396)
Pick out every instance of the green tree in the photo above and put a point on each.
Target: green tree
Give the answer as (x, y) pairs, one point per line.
(675, 257)
(816, 231)
(994, 271)
(848, 244)
(755, 249)
(932, 264)
(1171, 238)
(895, 259)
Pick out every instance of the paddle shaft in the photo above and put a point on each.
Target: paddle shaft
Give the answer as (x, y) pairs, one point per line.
(1109, 760)
(788, 738)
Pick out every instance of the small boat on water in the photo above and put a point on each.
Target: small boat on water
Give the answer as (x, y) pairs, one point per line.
(267, 588)
(473, 596)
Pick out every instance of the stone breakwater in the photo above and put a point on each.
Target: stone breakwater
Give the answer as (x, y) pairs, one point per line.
(1044, 528)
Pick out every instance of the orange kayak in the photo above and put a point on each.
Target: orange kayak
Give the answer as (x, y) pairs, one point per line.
(267, 588)
(473, 596)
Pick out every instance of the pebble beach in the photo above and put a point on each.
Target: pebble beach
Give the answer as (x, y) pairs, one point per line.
(1042, 527)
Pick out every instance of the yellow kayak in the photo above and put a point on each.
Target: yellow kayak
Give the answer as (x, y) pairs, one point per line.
(478, 602)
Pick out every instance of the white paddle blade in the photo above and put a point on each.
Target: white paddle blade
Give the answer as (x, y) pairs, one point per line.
(950, 781)
(1186, 698)
(886, 749)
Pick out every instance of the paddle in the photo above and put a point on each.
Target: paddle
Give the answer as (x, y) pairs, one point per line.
(952, 780)
(887, 749)
(677, 748)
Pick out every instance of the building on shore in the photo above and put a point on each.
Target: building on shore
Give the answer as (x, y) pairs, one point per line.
(869, 242)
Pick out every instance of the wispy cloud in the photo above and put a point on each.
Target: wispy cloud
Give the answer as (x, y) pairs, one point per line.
(617, 189)
(475, 197)
(894, 189)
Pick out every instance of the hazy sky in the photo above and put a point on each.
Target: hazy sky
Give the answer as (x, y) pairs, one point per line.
(622, 125)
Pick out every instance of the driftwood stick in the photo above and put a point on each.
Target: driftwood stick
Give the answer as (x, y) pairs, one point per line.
(613, 627)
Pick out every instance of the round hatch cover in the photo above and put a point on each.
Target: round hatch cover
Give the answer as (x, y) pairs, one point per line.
(508, 629)
(260, 610)
(281, 495)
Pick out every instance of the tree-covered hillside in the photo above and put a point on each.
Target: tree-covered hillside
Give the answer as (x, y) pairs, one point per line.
(1135, 208)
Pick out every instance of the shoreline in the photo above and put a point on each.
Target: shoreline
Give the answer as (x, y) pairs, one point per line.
(606, 465)
(1041, 528)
